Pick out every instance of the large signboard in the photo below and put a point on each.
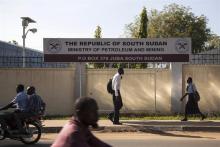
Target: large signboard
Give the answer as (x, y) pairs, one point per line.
(117, 50)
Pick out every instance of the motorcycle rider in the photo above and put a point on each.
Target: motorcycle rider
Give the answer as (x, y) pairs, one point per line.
(20, 102)
(36, 105)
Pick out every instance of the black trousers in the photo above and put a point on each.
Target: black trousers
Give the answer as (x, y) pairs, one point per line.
(19, 117)
(117, 101)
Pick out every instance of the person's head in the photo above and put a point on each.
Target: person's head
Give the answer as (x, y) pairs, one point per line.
(30, 90)
(189, 80)
(121, 71)
(86, 110)
(19, 88)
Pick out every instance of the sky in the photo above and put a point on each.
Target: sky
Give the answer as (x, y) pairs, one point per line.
(79, 18)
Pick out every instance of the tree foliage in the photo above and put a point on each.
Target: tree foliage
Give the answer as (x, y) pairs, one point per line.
(98, 32)
(142, 32)
(213, 42)
(174, 21)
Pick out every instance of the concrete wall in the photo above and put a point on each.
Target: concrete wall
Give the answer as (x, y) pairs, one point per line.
(143, 90)
(207, 80)
(56, 86)
(137, 89)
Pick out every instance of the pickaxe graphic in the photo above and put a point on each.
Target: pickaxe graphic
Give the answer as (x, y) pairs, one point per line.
(182, 45)
(54, 46)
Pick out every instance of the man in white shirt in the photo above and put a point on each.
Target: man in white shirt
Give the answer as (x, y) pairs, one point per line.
(117, 101)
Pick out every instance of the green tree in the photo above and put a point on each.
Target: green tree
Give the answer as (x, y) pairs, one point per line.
(98, 32)
(131, 29)
(175, 21)
(138, 29)
(142, 33)
(213, 42)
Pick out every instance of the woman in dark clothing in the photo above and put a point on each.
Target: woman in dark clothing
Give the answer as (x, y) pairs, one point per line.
(192, 106)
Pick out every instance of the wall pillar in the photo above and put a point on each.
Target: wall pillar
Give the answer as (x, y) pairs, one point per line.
(80, 80)
(176, 87)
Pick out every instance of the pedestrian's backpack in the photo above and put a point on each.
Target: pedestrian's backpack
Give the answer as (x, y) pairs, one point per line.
(109, 87)
(197, 96)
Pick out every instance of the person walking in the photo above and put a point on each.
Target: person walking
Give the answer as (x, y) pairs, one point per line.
(192, 106)
(116, 95)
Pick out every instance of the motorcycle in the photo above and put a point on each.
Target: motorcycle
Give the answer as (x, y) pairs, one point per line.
(32, 125)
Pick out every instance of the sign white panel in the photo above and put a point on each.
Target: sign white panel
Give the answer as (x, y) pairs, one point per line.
(117, 49)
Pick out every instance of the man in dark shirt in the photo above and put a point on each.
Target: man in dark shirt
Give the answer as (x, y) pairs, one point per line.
(76, 132)
(35, 105)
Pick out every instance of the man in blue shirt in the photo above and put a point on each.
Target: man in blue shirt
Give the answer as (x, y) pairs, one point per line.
(21, 102)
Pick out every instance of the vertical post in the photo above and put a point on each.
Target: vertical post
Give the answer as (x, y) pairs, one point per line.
(155, 88)
(176, 86)
(25, 22)
(80, 79)
(23, 53)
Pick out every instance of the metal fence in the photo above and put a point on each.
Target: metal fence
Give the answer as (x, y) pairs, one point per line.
(38, 62)
(205, 59)
(30, 62)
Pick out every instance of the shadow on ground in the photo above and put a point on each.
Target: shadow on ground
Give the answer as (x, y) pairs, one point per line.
(164, 133)
(176, 123)
(18, 144)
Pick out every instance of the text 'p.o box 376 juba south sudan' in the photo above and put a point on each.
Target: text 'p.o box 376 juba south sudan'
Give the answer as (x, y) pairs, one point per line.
(117, 49)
